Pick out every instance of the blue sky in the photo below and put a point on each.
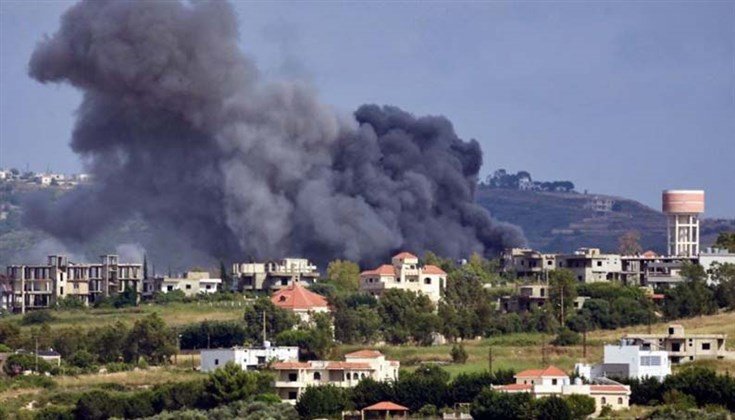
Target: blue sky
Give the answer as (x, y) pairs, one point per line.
(624, 98)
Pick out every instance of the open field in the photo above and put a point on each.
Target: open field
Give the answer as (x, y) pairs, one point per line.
(174, 314)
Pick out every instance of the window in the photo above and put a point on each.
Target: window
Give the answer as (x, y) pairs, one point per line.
(292, 395)
(705, 346)
(599, 263)
(348, 376)
(603, 400)
(549, 262)
(620, 400)
(293, 377)
(61, 292)
(209, 286)
(317, 376)
(543, 292)
(188, 287)
(169, 288)
(427, 280)
(216, 362)
(650, 360)
(554, 382)
(671, 331)
(284, 282)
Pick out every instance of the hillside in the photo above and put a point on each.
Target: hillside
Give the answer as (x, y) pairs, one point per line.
(565, 221)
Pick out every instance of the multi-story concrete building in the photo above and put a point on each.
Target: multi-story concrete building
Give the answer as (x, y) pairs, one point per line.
(247, 358)
(628, 360)
(524, 262)
(40, 286)
(191, 283)
(273, 275)
(405, 273)
(683, 347)
(589, 265)
(554, 381)
(292, 378)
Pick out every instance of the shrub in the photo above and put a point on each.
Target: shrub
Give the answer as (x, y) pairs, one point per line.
(16, 364)
(54, 412)
(69, 303)
(82, 359)
(37, 317)
(459, 354)
(581, 406)
(429, 410)
(322, 401)
(552, 408)
(566, 337)
(498, 405)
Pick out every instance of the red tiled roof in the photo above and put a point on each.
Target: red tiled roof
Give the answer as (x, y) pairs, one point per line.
(657, 296)
(383, 270)
(385, 406)
(348, 365)
(649, 254)
(551, 371)
(514, 387)
(432, 269)
(403, 255)
(291, 365)
(297, 296)
(609, 388)
(364, 354)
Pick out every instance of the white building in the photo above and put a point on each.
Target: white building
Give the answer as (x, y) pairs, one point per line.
(627, 360)
(273, 275)
(590, 265)
(553, 381)
(405, 273)
(247, 358)
(192, 284)
(292, 378)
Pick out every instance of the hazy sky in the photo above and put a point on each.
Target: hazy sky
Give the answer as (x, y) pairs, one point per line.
(624, 98)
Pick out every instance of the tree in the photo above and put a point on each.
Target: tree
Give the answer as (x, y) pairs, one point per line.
(501, 406)
(344, 274)
(459, 354)
(581, 406)
(466, 386)
(226, 280)
(212, 334)
(322, 401)
(724, 276)
(407, 315)
(692, 297)
(629, 243)
(108, 342)
(425, 385)
(566, 337)
(726, 240)
(151, 339)
(276, 320)
(230, 384)
(16, 364)
(369, 391)
(562, 292)
(552, 408)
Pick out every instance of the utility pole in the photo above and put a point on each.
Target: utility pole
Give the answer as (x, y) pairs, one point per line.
(584, 343)
(178, 349)
(36, 338)
(490, 358)
(561, 320)
(208, 339)
(264, 337)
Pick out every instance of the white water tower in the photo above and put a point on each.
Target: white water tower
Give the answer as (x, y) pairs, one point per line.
(682, 209)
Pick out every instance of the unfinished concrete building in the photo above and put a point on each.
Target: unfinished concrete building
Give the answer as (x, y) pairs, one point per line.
(273, 275)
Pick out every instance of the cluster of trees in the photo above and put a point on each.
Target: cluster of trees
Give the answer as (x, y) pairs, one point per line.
(427, 388)
(491, 404)
(695, 297)
(149, 341)
(694, 386)
(502, 179)
(230, 388)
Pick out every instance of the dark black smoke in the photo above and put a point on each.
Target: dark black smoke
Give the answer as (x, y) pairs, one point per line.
(179, 129)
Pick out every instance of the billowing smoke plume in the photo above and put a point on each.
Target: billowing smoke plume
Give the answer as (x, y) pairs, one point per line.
(179, 129)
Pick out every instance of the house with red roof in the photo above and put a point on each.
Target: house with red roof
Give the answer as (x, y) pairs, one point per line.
(406, 273)
(301, 301)
(292, 378)
(554, 381)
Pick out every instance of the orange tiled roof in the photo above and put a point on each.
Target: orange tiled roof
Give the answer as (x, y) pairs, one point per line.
(432, 269)
(609, 388)
(364, 354)
(297, 296)
(291, 365)
(552, 371)
(403, 255)
(649, 254)
(385, 406)
(514, 387)
(348, 365)
(383, 270)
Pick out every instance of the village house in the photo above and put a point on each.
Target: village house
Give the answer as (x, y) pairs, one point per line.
(273, 275)
(192, 283)
(405, 273)
(41, 286)
(247, 358)
(292, 378)
(301, 301)
(554, 381)
(683, 347)
(628, 360)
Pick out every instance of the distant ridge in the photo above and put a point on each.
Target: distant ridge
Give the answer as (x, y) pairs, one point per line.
(565, 221)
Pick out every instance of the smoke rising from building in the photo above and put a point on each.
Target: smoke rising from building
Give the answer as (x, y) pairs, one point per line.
(178, 128)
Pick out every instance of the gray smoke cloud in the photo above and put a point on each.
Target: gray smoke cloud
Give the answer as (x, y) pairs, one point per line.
(180, 129)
